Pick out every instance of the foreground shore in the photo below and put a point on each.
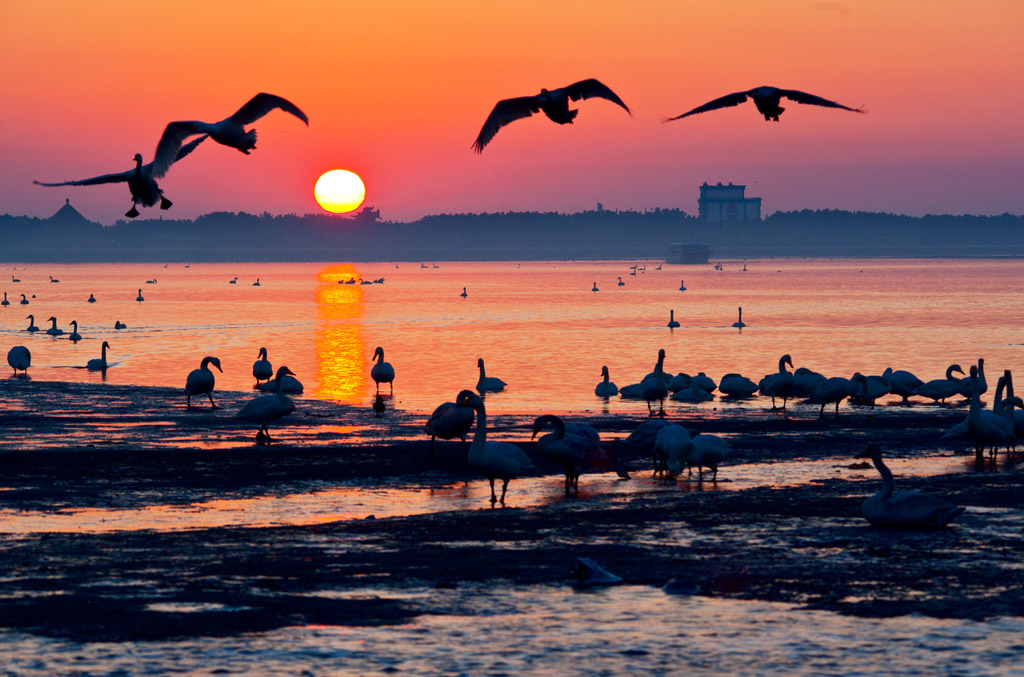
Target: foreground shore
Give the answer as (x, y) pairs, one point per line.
(71, 447)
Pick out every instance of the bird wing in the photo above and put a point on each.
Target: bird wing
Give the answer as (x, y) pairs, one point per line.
(804, 97)
(263, 103)
(722, 102)
(106, 178)
(169, 150)
(505, 111)
(589, 89)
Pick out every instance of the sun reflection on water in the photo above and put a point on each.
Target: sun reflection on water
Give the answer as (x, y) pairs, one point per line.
(340, 354)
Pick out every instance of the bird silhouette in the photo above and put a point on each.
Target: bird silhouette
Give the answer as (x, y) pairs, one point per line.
(142, 180)
(231, 131)
(554, 104)
(767, 101)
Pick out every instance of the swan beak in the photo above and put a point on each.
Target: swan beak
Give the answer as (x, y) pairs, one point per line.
(218, 368)
(289, 371)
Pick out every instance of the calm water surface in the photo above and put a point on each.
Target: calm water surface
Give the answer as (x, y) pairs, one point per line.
(538, 325)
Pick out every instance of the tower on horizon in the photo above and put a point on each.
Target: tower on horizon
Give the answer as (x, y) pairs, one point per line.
(724, 204)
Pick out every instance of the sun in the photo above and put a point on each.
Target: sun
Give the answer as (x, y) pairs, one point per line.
(339, 191)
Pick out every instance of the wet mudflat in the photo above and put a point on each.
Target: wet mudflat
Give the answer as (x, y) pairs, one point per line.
(802, 541)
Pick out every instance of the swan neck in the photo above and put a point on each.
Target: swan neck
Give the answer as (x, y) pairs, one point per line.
(480, 435)
(888, 484)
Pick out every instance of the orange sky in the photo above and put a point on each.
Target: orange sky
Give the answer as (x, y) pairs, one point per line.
(397, 91)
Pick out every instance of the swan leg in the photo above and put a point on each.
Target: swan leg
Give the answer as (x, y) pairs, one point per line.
(494, 499)
(165, 203)
(504, 488)
(132, 213)
(212, 404)
(188, 399)
(391, 388)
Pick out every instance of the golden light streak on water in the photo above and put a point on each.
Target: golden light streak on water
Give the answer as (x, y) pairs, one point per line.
(341, 364)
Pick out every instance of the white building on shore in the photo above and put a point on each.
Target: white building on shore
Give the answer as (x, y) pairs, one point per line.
(724, 204)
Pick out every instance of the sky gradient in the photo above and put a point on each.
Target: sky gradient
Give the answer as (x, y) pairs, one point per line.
(398, 90)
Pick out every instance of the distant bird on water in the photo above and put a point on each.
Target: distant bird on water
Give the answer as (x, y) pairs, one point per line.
(595, 287)
(31, 323)
(682, 287)
(256, 283)
(142, 180)
(5, 302)
(74, 336)
(739, 323)
(382, 372)
(554, 104)
(139, 297)
(486, 383)
(231, 130)
(606, 388)
(464, 294)
(672, 324)
(92, 299)
(767, 101)
(53, 330)
(24, 301)
(120, 325)
(19, 358)
(262, 370)
(201, 381)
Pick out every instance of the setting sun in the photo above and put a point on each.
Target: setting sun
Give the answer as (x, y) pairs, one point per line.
(339, 191)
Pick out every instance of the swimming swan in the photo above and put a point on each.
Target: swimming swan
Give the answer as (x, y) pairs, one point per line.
(672, 324)
(487, 384)
(739, 323)
(31, 323)
(74, 335)
(53, 330)
(606, 388)
(201, 381)
(99, 363)
(904, 509)
(493, 460)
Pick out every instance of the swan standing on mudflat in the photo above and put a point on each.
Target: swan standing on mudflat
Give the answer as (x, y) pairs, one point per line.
(904, 509)
(201, 381)
(31, 323)
(571, 446)
(606, 388)
(99, 363)
(53, 330)
(448, 422)
(268, 408)
(485, 383)
(142, 180)
(671, 448)
(779, 384)
(991, 431)
(736, 385)
(871, 388)
(262, 370)
(20, 359)
(961, 432)
(231, 130)
(554, 104)
(74, 335)
(707, 450)
(655, 388)
(835, 390)
(941, 388)
(903, 382)
(493, 460)
(382, 372)
(965, 383)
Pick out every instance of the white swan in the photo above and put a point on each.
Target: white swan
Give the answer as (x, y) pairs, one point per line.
(262, 370)
(448, 422)
(960, 431)
(739, 323)
(31, 323)
(904, 509)
(571, 446)
(834, 390)
(53, 330)
(871, 388)
(268, 408)
(290, 385)
(5, 302)
(139, 297)
(606, 388)
(671, 447)
(656, 388)
(707, 451)
(672, 324)
(941, 388)
(779, 384)
(201, 381)
(486, 383)
(704, 382)
(680, 381)
(903, 383)
(99, 363)
(965, 383)
(74, 335)
(736, 385)
(382, 372)
(231, 131)
(142, 179)
(693, 393)
(19, 358)
(493, 460)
